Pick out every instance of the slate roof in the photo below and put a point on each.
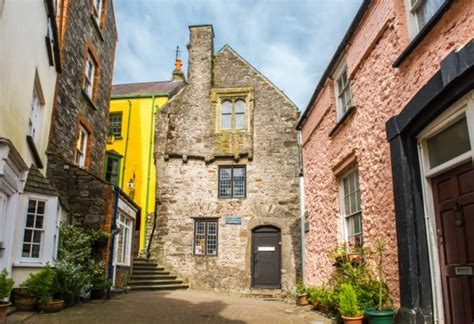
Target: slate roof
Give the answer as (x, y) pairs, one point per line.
(37, 183)
(169, 87)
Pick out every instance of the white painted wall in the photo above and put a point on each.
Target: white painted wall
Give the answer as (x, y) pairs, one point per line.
(23, 27)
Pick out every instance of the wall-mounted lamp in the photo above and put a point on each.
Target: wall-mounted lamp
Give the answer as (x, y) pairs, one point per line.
(131, 184)
(110, 138)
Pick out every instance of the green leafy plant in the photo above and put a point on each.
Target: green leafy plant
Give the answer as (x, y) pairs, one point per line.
(41, 284)
(347, 301)
(380, 246)
(6, 285)
(301, 289)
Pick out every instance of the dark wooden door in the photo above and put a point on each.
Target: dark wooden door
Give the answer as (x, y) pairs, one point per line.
(453, 193)
(266, 258)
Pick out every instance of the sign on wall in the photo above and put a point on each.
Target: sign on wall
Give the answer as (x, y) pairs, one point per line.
(234, 220)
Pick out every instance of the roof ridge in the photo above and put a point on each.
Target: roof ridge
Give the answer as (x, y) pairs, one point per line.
(147, 82)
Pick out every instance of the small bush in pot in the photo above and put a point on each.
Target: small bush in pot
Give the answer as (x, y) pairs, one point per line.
(348, 305)
(6, 285)
(302, 293)
(43, 285)
(314, 294)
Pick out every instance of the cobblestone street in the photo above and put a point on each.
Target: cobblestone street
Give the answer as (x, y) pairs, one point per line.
(177, 307)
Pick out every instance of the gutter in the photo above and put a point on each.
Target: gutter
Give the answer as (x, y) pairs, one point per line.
(140, 95)
(113, 230)
(345, 41)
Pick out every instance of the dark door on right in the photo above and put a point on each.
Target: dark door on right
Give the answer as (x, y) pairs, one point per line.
(453, 194)
(266, 257)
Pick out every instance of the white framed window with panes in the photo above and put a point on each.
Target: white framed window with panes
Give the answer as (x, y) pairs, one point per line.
(350, 205)
(205, 236)
(342, 88)
(123, 239)
(36, 113)
(97, 10)
(37, 229)
(89, 76)
(419, 12)
(81, 147)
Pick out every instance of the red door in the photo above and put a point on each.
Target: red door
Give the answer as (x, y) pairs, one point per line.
(453, 194)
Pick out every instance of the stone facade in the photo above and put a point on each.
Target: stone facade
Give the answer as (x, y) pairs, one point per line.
(379, 91)
(81, 34)
(189, 149)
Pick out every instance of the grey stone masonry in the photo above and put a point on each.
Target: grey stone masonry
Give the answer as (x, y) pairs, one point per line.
(190, 147)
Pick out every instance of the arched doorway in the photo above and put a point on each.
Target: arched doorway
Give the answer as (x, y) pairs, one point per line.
(266, 257)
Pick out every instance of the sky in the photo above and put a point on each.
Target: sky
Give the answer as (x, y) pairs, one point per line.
(290, 41)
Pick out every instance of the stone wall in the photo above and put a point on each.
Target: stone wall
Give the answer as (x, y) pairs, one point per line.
(71, 105)
(379, 92)
(188, 153)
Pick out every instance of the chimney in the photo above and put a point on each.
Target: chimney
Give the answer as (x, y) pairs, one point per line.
(178, 75)
(200, 49)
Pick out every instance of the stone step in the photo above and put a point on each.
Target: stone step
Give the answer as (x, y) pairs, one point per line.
(151, 276)
(160, 287)
(150, 272)
(153, 282)
(147, 266)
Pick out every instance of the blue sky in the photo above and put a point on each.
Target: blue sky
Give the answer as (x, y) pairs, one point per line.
(289, 41)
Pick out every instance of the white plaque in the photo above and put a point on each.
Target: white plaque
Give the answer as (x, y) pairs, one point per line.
(266, 249)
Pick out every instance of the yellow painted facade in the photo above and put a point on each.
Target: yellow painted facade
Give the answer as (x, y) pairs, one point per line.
(135, 144)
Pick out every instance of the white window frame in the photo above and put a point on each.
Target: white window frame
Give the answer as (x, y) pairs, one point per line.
(36, 114)
(81, 148)
(49, 242)
(97, 10)
(341, 106)
(412, 12)
(89, 76)
(125, 224)
(358, 213)
(464, 106)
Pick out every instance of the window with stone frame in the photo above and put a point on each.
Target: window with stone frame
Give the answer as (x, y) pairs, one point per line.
(351, 208)
(419, 12)
(34, 229)
(232, 181)
(342, 87)
(97, 10)
(90, 72)
(115, 124)
(232, 113)
(205, 237)
(112, 168)
(81, 147)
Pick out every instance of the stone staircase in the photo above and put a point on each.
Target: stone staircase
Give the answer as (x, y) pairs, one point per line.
(148, 275)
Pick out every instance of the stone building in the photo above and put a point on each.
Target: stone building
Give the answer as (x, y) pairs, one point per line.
(387, 147)
(79, 129)
(28, 70)
(227, 166)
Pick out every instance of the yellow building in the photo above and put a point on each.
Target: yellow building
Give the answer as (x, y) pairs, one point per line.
(129, 157)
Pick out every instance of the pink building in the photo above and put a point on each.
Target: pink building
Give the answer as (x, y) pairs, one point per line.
(388, 146)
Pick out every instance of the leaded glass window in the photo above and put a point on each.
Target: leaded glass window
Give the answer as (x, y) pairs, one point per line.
(232, 181)
(205, 237)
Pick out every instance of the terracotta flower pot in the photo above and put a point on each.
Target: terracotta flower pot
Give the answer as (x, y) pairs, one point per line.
(353, 320)
(3, 311)
(315, 304)
(52, 307)
(302, 300)
(25, 302)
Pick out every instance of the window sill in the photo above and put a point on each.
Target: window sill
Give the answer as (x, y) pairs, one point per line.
(342, 121)
(97, 27)
(34, 152)
(30, 264)
(422, 33)
(89, 100)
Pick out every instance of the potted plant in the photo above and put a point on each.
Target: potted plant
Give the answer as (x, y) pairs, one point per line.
(301, 294)
(379, 314)
(314, 296)
(327, 300)
(348, 305)
(99, 288)
(43, 285)
(6, 285)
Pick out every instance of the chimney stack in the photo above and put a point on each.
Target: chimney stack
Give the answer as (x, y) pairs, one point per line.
(200, 49)
(178, 74)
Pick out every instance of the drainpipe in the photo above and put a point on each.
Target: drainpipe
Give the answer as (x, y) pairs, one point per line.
(126, 141)
(302, 210)
(152, 132)
(112, 239)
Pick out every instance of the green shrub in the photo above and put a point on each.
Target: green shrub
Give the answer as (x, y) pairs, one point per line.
(301, 289)
(41, 284)
(6, 285)
(347, 301)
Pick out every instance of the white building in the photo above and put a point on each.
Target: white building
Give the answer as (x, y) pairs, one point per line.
(29, 206)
